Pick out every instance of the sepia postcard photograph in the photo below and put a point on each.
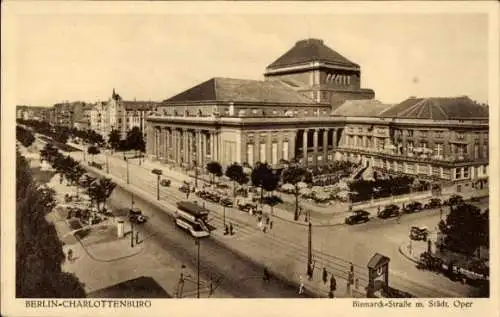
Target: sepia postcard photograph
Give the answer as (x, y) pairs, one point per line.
(249, 158)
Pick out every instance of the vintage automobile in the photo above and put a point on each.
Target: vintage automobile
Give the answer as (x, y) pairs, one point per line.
(135, 215)
(419, 233)
(454, 200)
(389, 211)
(433, 203)
(165, 182)
(358, 216)
(185, 187)
(414, 206)
(226, 201)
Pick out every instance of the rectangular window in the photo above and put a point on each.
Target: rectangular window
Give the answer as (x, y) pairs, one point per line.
(485, 150)
(458, 173)
(410, 146)
(438, 149)
(423, 134)
(466, 172)
(262, 153)
(410, 133)
(476, 150)
(250, 154)
(423, 145)
(285, 150)
(274, 153)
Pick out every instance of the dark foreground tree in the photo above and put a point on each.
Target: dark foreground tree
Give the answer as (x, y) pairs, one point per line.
(39, 253)
(464, 229)
(263, 177)
(135, 140)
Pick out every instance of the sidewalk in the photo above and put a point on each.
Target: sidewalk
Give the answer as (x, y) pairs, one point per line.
(102, 261)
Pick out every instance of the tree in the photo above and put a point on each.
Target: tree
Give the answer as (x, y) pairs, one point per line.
(463, 229)
(39, 253)
(24, 136)
(49, 153)
(87, 180)
(294, 175)
(114, 139)
(263, 177)
(135, 139)
(215, 169)
(235, 173)
(99, 191)
(93, 150)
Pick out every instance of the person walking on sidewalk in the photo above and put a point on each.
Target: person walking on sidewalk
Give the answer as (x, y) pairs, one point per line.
(270, 225)
(301, 285)
(325, 275)
(180, 284)
(231, 232)
(70, 255)
(265, 276)
(333, 286)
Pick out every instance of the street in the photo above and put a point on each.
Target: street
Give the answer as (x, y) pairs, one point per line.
(329, 247)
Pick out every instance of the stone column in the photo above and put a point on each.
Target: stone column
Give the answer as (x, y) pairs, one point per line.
(280, 145)
(165, 144)
(212, 147)
(304, 146)
(325, 145)
(269, 148)
(175, 144)
(334, 139)
(198, 147)
(291, 145)
(315, 146)
(256, 149)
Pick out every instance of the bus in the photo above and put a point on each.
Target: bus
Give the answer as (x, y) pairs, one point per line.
(192, 218)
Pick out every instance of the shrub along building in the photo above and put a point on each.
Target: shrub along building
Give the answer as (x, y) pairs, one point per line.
(311, 108)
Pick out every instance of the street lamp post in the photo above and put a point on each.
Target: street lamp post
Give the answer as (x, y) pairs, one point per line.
(158, 175)
(224, 214)
(107, 163)
(309, 245)
(195, 164)
(131, 234)
(128, 180)
(197, 241)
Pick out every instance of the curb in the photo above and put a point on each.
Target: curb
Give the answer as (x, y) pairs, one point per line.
(401, 248)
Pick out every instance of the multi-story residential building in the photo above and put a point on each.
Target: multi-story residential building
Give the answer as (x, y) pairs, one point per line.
(311, 108)
(124, 114)
(65, 114)
(32, 113)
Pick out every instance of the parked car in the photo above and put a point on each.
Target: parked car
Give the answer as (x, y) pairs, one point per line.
(358, 216)
(433, 203)
(454, 200)
(389, 211)
(185, 187)
(165, 182)
(413, 207)
(226, 201)
(419, 233)
(135, 215)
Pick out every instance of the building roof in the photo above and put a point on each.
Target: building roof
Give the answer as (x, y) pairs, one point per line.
(437, 109)
(310, 50)
(360, 108)
(241, 90)
(377, 260)
(139, 105)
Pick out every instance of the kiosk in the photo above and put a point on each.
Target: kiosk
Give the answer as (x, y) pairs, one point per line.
(378, 275)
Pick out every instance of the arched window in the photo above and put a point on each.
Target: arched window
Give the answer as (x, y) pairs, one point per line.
(328, 77)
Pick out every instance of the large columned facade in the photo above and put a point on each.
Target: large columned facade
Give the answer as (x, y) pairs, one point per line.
(182, 146)
(316, 146)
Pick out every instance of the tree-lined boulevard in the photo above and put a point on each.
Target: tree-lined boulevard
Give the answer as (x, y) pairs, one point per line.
(235, 262)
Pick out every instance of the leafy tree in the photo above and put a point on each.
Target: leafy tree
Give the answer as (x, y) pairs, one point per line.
(24, 136)
(236, 174)
(75, 174)
(100, 190)
(49, 153)
(114, 139)
(263, 177)
(463, 229)
(93, 150)
(39, 253)
(293, 175)
(87, 180)
(135, 139)
(61, 135)
(215, 169)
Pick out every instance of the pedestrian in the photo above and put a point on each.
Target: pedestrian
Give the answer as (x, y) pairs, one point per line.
(356, 283)
(351, 268)
(264, 228)
(231, 232)
(265, 276)
(301, 285)
(309, 271)
(226, 230)
(70, 255)
(267, 220)
(187, 193)
(270, 225)
(325, 275)
(180, 284)
(333, 285)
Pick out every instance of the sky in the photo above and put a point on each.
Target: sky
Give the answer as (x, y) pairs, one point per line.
(155, 56)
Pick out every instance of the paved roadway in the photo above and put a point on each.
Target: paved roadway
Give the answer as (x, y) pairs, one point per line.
(235, 275)
(332, 245)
